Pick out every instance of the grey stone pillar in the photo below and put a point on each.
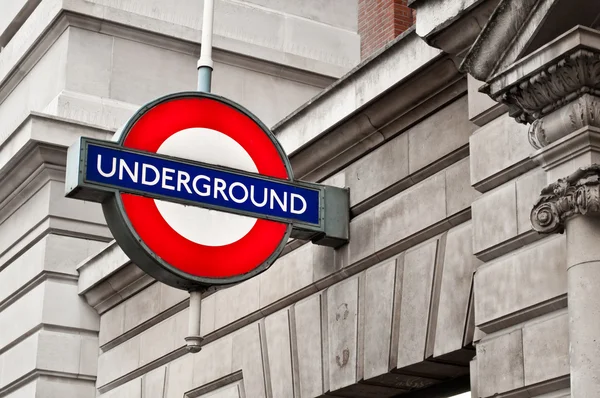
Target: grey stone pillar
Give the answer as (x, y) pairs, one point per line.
(557, 91)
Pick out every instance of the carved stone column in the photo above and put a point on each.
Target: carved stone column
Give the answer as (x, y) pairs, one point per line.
(557, 91)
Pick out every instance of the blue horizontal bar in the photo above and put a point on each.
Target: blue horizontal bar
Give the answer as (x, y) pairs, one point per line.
(168, 178)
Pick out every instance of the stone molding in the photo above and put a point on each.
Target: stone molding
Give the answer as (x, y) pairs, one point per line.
(577, 194)
(553, 86)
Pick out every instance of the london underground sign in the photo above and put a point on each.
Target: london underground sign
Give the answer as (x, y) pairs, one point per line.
(198, 192)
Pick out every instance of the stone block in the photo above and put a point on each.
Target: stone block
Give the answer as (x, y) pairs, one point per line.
(410, 211)
(500, 364)
(78, 210)
(153, 383)
(63, 306)
(207, 315)
(504, 287)
(529, 187)
(112, 324)
(378, 304)
(118, 361)
(309, 346)
(417, 283)
(499, 152)
(482, 109)
(494, 217)
(236, 301)
(19, 103)
(141, 73)
(65, 253)
(215, 361)
(459, 192)
(142, 306)
(159, 340)
(12, 322)
(88, 356)
(13, 14)
(89, 60)
(342, 314)
(249, 358)
(335, 46)
(439, 135)
(51, 387)
(362, 237)
(378, 170)
(546, 349)
(131, 389)
(58, 352)
(457, 276)
(22, 269)
(18, 360)
(16, 224)
(179, 376)
(335, 12)
(324, 262)
(289, 274)
(27, 390)
(277, 332)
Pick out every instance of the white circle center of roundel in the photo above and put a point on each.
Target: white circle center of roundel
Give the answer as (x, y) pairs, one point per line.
(203, 226)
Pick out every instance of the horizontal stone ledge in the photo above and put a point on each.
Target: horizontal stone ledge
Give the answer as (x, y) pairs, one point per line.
(34, 374)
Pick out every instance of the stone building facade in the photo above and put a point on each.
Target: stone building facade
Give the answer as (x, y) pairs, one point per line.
(447, 137)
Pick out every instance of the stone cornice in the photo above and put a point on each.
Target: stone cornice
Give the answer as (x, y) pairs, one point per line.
(577, 194)
(497, 37)
(552, 76)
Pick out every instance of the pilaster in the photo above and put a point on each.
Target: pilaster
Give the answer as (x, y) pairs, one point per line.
(556, 91)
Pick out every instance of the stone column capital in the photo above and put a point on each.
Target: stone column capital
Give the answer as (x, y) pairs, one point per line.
(577, 194)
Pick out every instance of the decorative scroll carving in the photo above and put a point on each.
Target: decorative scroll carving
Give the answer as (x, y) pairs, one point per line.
(554, 86)
(577, 194)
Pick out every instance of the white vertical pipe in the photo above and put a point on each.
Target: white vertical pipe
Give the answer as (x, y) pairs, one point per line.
(193, 338)
(205, 63)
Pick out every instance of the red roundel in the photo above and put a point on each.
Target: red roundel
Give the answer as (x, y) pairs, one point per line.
(199, 242)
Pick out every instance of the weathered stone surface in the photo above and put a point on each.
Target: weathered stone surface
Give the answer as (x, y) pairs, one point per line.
(378, 170)
(494, 217)
(500, 364)
(62, 306)
(112, 324)
(131, 389)
(457, 276)
(379, 295)
(499, 152)
(50, 387)
(118, 361)
(277, 332)
(417, 283)
(18, 360)
(362, 231)
(214, 361)
(237, 301)
(459, 192)
(12, 324)
(153, 383)
(179, 376)
(142, 306)
(247, 348)
(89, 62)
(546, 349)
(410, 211)
(58, 351)
(308, 342)
(342, 313)
(439, 135)
(482, 109)
(438, 13)
(290, 273)
(503, 287)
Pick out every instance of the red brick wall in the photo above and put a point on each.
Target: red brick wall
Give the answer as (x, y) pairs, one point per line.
(380, 21)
